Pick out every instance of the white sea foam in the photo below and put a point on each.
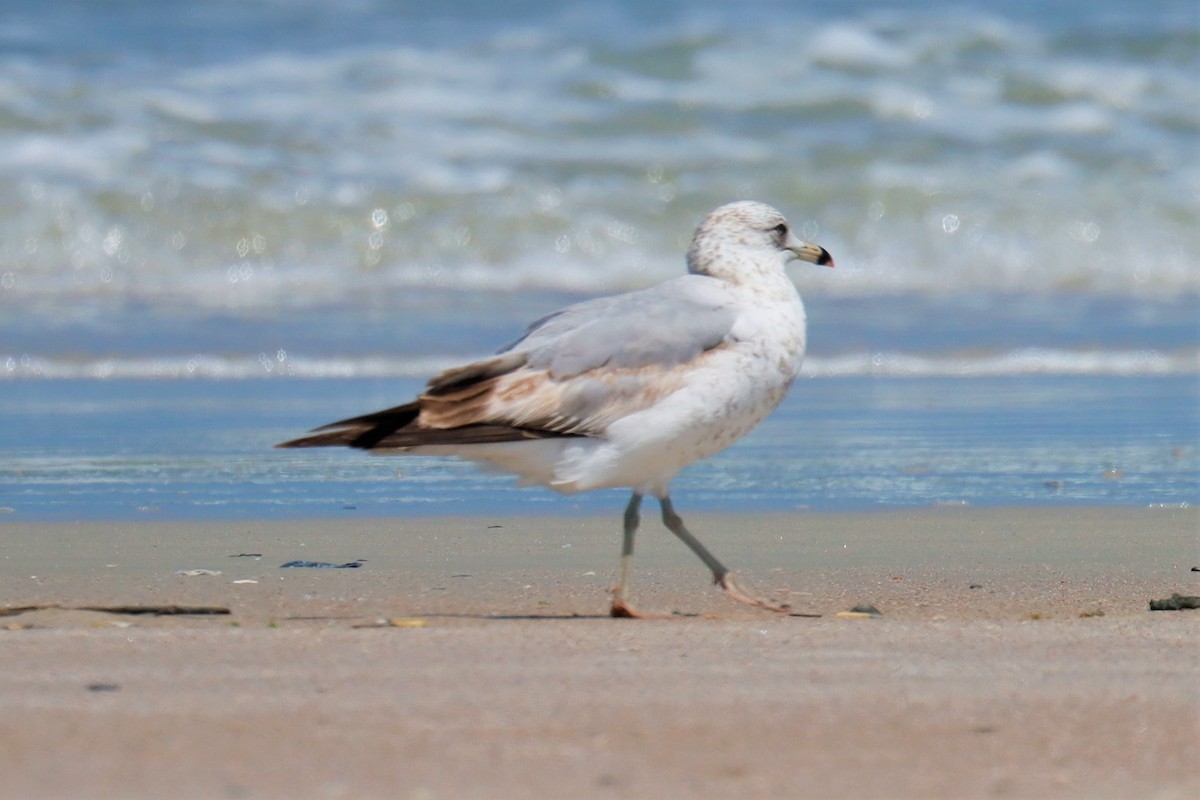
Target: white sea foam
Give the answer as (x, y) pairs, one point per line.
(853, 46)
(1026, 361)
(505, 148)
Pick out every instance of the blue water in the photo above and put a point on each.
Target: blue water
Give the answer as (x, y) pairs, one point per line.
(224, 223)
(173, 449)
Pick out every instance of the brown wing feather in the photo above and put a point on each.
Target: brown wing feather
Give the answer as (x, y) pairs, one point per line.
(450, 412)
(457, 378)
(503, 399)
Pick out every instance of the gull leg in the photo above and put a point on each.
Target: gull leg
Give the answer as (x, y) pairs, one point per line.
(620, 605)
(721, 574)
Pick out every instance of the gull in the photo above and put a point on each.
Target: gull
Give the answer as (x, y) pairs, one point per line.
(624, 391)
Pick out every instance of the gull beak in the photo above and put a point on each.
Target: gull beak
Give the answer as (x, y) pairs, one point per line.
(805, 251)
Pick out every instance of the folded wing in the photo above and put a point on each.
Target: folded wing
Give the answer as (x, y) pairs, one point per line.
(571, 374)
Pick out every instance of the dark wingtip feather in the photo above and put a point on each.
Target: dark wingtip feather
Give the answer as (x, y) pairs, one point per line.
(363, 432)
(397, 416)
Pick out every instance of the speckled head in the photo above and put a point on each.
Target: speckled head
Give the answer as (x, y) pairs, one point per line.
(747, 237)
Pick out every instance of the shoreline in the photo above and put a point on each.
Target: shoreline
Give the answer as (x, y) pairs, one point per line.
(1015, 656)
(482, 564)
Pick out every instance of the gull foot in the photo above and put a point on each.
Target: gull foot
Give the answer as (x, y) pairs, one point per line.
(623, 610)
(735, 592)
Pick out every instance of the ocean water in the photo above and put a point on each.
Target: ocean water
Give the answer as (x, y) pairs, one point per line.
(225, 223)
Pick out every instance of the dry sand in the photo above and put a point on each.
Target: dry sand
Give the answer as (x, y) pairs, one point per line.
(1015, 657)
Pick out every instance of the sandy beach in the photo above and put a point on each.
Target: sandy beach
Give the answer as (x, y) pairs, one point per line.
(1015, 655)
(229, 223)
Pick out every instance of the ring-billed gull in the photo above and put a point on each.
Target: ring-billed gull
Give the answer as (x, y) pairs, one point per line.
(624, 391)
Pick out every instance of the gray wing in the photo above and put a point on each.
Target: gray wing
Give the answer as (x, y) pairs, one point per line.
(572, 374)
(663, 326)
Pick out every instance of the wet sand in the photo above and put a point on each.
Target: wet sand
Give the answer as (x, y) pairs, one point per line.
(1015, 656)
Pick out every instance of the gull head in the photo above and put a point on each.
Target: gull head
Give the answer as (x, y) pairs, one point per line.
(746, 236)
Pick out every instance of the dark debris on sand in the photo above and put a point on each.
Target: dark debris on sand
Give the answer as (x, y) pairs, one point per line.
(1176, 602)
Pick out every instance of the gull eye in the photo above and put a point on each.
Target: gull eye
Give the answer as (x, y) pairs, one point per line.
(780, 230)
